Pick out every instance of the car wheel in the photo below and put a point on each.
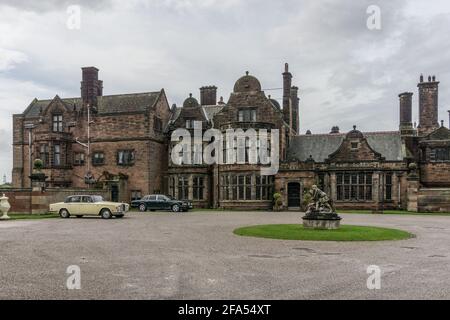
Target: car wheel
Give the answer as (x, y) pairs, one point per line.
(106, 214)
(142, 207)
(79, 216)
(176, 208)
(64, 213)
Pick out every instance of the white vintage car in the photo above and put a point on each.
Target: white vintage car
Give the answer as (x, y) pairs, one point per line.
(89, 205)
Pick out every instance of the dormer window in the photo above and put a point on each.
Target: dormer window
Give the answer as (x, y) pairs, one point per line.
(354, 145)
(190, 123)
(247, 115)
(57, 123)
(440, 154)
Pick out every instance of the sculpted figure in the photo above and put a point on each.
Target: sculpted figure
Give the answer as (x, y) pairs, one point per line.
(320, 202)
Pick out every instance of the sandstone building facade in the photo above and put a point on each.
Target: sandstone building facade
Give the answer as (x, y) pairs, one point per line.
(129, 149)
(126, 151)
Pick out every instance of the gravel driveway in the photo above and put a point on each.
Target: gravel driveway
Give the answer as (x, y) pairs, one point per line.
(196, 256)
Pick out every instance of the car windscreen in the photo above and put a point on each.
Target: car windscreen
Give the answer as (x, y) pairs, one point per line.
(97, 198)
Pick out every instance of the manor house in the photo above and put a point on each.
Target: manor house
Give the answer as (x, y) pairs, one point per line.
(122, 143)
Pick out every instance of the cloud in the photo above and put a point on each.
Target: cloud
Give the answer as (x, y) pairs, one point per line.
(347, 74)
(53, 5)
(10, 58)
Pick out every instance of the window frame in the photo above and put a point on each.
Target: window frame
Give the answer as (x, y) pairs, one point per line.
(57, 159)
(94, 159)
(351, 188)
(79, 159)
(247, 115)
(57, 122)
(131, 157)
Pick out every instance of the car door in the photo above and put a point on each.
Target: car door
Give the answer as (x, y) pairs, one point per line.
(86, 206)
(74, 205)
(144, 200)
(165, 203)
(161, 202)
(152, 203)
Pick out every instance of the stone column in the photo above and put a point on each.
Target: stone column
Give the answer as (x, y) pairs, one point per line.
(175, 186)
(333, 186)
(39, 202)
(376, 191)
(191, 187)
(398, 189)
(253, 188)
(326, 182)
(412, 194)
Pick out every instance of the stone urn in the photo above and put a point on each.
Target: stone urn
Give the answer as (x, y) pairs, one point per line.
(4, 207)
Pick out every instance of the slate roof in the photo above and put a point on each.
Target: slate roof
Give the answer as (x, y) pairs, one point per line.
(320, 146)
(134, 102)
(208, 111)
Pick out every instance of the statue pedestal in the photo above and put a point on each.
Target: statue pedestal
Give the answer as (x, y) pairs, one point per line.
(323, 221)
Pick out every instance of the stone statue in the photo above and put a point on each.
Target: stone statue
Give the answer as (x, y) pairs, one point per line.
(320, 211)
(320, 202)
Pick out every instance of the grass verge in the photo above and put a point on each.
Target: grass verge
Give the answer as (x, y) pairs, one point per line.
(401, 212)
(345, 233)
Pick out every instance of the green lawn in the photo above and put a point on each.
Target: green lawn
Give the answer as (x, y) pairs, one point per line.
(402, 212)
(21, 216)
(345, 233)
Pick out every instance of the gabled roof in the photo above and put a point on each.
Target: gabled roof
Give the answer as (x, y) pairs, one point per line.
(388, 143)
(441, 133)
(208, 112)
(134, 102)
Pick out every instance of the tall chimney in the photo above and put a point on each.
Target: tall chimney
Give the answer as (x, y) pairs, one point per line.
(91, 87)
(428, 105)
(208, 96)
(287, 83)
(295, 106)
(406, 127)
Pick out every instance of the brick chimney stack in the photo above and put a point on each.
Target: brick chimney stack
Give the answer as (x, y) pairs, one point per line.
(287, 84)
(428, 105)
(295, 106)
(91, 87)
(208, 96)
(406, 126)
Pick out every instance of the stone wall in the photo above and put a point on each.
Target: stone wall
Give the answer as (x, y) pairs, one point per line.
(435, 174)
(28, 201)
(433, 200)
(19, 199)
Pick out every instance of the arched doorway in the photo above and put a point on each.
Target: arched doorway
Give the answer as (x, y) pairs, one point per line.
(294, 197)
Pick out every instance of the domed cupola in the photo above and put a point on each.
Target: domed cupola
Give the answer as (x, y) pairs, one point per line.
(190, 102)
(355, 134)
(247, 84)
(274, 103)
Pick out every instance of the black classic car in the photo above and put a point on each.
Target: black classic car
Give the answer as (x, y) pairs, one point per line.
(161, 202)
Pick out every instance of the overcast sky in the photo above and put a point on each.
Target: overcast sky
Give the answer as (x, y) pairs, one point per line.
(347, 73)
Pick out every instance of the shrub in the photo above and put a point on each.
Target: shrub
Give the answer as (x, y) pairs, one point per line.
(278, 201)
(38, 165)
